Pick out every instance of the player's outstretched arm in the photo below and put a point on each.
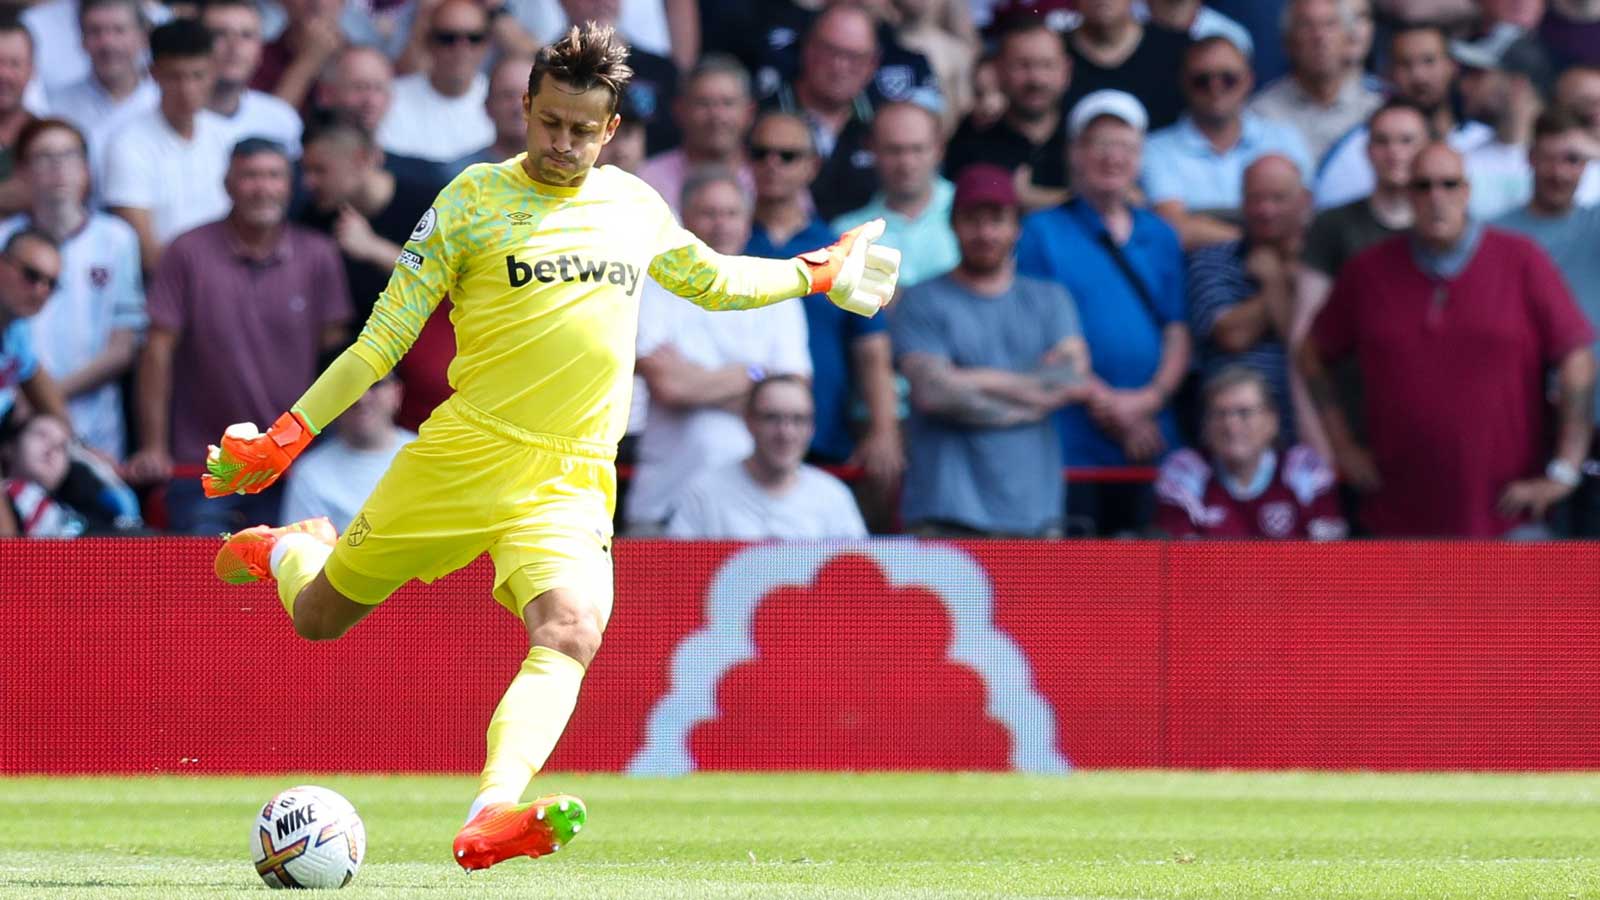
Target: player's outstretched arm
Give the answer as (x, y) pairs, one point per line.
(855, 272)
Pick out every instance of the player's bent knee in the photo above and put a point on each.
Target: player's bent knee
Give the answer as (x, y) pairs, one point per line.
(559, 621)
(321, 613)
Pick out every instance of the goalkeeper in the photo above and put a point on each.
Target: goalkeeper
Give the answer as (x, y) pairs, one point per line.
(542, 256)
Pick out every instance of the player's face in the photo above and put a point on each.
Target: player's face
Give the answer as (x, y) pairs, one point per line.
(986, 235)
(566, 129)
(185, 82)
(1397, 137)
(56, 168)
(28, 276)
(16, 68)
(113, 39)
(719, 215)
(1240, 426)
(781, 425)
(258, 184)
(1439, 195)
(1558, 163)
(236, 35)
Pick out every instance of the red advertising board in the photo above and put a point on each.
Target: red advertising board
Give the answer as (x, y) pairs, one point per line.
(127, 656)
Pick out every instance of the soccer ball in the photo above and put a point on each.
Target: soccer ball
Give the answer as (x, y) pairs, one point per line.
(308, 837)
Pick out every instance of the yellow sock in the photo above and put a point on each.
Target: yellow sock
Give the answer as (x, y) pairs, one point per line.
(528, 722)
(295, 561)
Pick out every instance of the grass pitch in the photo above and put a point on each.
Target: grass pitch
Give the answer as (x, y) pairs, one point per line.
(1094, 835)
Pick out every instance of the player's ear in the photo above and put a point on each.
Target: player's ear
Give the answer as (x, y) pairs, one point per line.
(611, 127)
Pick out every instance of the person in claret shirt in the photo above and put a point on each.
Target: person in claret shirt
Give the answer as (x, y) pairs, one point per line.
(1241, 487)
(1456, 330)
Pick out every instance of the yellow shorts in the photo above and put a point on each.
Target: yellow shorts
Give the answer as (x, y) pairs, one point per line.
(540, 505)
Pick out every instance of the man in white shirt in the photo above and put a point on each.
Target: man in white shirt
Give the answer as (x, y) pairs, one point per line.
(58, 40)
(700, 365)
(116, 39)
(88, 332)
(165, 169)
(770, 494)
(439, 115)
(235, 27)
(334, 478)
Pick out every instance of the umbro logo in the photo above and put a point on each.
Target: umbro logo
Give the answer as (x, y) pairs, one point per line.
(518, 217)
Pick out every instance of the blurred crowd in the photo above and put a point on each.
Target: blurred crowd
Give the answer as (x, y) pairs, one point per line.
(1298, 269)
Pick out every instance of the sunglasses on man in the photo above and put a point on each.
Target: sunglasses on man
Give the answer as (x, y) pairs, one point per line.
(785, 155)
(451, 38)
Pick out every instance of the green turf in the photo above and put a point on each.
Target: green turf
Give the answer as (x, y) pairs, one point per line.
(1096, 834)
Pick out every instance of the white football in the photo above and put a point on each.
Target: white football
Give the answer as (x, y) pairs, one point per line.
(308, 837)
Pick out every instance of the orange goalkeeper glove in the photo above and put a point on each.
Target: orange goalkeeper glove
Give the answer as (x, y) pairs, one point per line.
(857, 274)
(248, 462)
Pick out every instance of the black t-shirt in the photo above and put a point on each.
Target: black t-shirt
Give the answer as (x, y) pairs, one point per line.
(772, 55)
(654, 84)
(1005, 146)
(392, 223)
(1338, 234)
(1150, 73)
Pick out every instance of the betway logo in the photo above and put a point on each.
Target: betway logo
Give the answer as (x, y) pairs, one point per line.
(571, 268)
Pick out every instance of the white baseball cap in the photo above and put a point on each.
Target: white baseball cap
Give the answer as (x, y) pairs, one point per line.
(1117, 104)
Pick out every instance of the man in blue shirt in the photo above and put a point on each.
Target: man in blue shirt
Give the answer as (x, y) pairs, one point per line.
(30, 268)
(1194, 169)
(845, 348)
(1125, 269)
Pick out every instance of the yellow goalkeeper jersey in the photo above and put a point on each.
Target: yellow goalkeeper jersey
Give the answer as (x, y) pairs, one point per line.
(545, 284)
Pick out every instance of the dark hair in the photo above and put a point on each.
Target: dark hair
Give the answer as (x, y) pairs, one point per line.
(11, 23)
(811, 137)
(588, 57)
(333, 125)
(31, 233)
(1556, 120)
(1414, 27)
(255, 146)
(1232, 376)
(781, 378)
(719, 64)
(208, 5)
(36, 128)
(180, 39)
(1018, 24)
(1399, 103)
(133, 6)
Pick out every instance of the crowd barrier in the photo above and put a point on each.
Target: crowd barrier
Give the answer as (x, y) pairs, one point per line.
(127, 656)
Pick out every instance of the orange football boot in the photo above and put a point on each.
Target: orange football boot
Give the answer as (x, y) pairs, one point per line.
(245, 555)
(501, 831)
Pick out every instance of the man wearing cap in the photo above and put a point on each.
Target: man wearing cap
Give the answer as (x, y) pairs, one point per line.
(1125, 267)
(990, 355)
(1458, 330)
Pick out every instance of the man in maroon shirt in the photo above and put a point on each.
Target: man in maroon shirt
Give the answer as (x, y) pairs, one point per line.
(1456, 329)
(1242, 487)
(241, 312)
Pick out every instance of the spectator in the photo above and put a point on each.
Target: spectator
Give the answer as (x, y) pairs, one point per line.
(1111, 50)
(1325, 94)
(508, 81)
(439, 115)
(1129, 262)
(1498, 87)
(837, 62)
(714, 112)
(1460, 327)
(1399, 130)
(1240, 488)
(1033, 71)
(88, 332)
(251, 301)
(914, 201)
(361, 88)
(117, 87)
(368, 211)
(30, 268)
(951, 54)
(660, 27)
(1194, 170)
(770, 494)
(990, 356)
(700, 366)
(1578, 91)
(1195, 19)
(294, 61)
(406, 39)
(1571, 235)
(1241, 293)
(849, 353)
(988, 102)
(235, 27)
(334, 478)
(777, 52)
(626, 149)
(16, 69)
(34, 464)
(1423, 73)
(165, 169)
